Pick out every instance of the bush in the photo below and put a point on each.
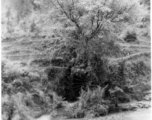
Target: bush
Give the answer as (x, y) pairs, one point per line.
(58, 102)
(90, 102)
(129, 35)
(57, 61)
(8, 107)
(41, 62)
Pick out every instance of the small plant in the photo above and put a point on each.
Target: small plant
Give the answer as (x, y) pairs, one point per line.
(58, 102)
(41, 62)
(8, 107)
(129, 35)
(90, 102)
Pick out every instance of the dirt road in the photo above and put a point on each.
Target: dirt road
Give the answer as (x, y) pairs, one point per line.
(140, 114)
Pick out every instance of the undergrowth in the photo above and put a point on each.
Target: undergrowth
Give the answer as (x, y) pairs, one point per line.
(91, 103)
(38, 92)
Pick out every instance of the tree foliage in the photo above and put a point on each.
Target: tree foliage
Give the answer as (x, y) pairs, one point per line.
(88, 30)
(91, 24)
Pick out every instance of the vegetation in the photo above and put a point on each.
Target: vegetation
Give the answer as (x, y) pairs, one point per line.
(80, 52)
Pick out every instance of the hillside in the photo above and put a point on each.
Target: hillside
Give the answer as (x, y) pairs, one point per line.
(76, 60)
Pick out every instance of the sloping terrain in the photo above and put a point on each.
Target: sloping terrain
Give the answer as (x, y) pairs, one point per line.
(100, 71)
(27, 50)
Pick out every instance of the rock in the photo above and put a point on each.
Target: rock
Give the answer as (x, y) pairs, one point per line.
(129, 107)
(37, 99)
(147, 98)
(133, 108)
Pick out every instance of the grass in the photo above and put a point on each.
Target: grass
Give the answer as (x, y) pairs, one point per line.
(23, 90)
(90, 104)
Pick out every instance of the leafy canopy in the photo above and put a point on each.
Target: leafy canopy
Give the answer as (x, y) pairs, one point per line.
(89, 24)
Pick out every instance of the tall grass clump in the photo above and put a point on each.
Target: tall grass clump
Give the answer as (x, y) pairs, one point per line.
(91, 103)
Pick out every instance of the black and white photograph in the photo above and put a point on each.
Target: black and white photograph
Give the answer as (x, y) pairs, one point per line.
(75, 60)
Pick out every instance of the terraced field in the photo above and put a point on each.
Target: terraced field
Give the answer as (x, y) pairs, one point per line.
(25, 49)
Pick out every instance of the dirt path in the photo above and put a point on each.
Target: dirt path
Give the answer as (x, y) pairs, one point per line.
(136, 55)
(140, 114)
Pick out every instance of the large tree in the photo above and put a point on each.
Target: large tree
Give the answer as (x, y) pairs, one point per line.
(90, 24)
(88, 30)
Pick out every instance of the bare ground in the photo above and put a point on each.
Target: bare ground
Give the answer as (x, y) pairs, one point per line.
(142, 113)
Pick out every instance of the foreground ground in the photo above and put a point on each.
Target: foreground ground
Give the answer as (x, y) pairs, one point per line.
(141, 114)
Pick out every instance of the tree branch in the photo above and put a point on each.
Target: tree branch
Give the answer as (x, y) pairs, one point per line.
(117, 13)
(70, 17)
(96, 31)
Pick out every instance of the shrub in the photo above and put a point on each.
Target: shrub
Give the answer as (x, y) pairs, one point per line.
(90, 102)
(129, 35)
(116, 74)
(58, 102)
(41, 62)
(8, 107)
(57, 61)
(76, 111)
